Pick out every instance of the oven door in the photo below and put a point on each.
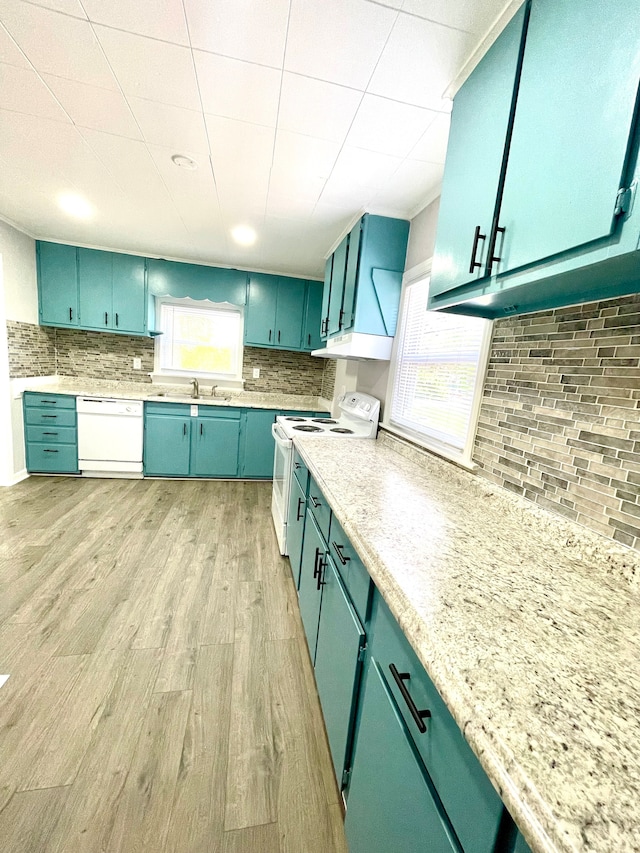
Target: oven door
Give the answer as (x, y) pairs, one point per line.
(282, 461)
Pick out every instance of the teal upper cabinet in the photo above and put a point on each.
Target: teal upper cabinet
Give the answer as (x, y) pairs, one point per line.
(338, 274)
(481, 112)
(362, 293)
(57, 284)
(112, 291)
(311, 338)
(326, 295)
(170, 278)
(275, 312)
(564, 228)
(565, 195)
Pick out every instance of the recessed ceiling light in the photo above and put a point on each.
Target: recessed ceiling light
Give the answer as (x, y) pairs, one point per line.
(75, 205)
(184, 162)
(244, 234)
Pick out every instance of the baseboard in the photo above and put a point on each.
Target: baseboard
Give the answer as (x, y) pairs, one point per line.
(16, 478)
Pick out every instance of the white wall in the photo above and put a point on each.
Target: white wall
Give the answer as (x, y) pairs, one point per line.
(19, 302)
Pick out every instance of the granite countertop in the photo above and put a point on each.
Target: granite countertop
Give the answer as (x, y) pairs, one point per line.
(80, 386)
(528, 624)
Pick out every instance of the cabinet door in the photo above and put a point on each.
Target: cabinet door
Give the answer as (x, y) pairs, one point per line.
(58, 284)
(340, 641)
(295, 527)
(391, 806)
(260, 317)
(521, 845)
(129, 296)
(290, 313)
(475, 154)
(351, 276)
(215, 447)
(311, 338)
(338, 273)
(326, 296)
(95, 275)
(258, 443)
(310, 589)
(166, 445)
(571, 129)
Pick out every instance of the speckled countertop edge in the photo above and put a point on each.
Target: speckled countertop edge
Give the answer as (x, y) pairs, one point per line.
(80, 386)
(515, 744)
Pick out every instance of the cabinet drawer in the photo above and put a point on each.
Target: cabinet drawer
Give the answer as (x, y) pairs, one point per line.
(60, 459)
(57, 417)
(219, 412)
(52, 434)
(167, 409)
(319, 507)
(471, 803)
(352, 571)
(52, 401)
(301, 471)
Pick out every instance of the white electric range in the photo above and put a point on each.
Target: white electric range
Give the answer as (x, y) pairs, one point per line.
(359, 415)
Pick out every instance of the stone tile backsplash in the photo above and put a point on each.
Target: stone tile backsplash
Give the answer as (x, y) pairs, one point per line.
(40, 351)
(560, 416)
(32, 350)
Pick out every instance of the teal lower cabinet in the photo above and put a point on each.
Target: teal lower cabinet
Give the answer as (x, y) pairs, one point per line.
(311, 580)
(179, 444)
(468, 798)
(521, 845)
(410, 780)
(295, 526)
(392, 804)
(258, 443)
(167, 445)
(215, 443)
(339, 653)
(50, 432)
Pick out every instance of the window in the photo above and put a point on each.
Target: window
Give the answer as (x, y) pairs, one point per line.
(436, 375)
(199, 339)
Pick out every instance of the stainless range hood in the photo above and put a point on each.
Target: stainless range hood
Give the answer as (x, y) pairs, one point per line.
(357, 346)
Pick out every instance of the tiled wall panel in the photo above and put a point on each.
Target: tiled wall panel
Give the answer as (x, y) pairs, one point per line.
(40, 351)
(560, 417)
(32, 350)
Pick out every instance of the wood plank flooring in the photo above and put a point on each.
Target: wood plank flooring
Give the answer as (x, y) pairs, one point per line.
(161, 696)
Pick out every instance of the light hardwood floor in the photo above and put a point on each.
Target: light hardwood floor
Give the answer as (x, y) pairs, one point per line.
(161, 696)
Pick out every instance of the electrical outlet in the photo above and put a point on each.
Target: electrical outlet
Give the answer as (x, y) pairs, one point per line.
(256, 373)
(137, 364)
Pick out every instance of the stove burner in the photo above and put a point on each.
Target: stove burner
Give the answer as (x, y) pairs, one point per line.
(295, 419)
(308, 428)
(342, 430)
(323, 421)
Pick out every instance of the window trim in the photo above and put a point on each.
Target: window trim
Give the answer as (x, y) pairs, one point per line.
(461, 457)
(162, 373)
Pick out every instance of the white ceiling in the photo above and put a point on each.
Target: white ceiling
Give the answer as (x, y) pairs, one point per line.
(300, 114)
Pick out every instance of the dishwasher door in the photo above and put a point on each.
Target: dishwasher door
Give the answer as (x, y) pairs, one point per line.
(110, 436)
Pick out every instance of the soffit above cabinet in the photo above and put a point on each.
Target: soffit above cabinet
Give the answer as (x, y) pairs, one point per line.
(300, 114)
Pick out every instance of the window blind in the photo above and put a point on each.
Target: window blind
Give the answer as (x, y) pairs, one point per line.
(435, 370)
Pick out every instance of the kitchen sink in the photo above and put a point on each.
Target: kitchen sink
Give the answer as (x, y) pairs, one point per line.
(188, 398)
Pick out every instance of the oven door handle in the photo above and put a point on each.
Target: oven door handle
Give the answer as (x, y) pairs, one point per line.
(280, 439)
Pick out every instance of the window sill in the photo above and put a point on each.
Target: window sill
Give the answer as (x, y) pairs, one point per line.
(423, 443)
(203, 378)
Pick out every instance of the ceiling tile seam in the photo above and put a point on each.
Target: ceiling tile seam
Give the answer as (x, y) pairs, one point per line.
(57, 11)
(206, 129)
(44, 83)
(364, 92)
(277, 127)
(404, 11)
(142, 135)
(235, 58)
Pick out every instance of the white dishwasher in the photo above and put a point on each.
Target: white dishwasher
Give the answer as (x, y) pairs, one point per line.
(109, 437)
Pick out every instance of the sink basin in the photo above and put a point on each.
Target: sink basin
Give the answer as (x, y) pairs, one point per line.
(187, 398)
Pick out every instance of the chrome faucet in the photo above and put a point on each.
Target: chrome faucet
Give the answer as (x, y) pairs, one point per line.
(196, 389)
(213, 390)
